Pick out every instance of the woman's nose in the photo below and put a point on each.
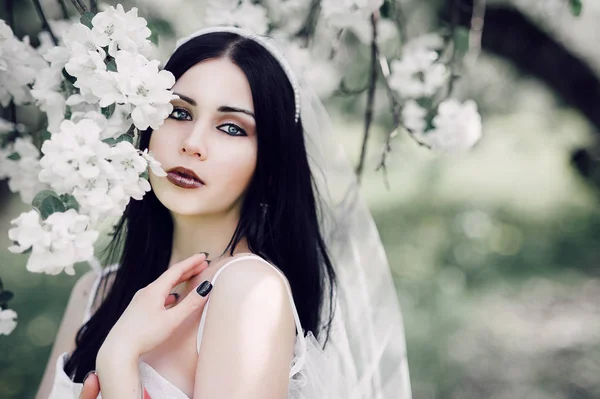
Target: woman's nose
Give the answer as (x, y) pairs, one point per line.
(195, 144)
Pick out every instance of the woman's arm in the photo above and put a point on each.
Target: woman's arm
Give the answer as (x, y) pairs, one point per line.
(71, 322)
(248, 341)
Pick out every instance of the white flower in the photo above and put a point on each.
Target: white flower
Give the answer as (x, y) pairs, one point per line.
(8, 321)
(74, 155)
(23, 173)
(245, 15)
(120, 30)
(413, 116)
(48, 96)
(127, 161)
(113, 127)
(154, 165)
(57, 243)
(456, 127)
(19, 63)
(145, 87)
(28, 232)
(417, 74)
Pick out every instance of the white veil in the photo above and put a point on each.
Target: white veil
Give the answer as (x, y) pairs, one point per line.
(367, 343)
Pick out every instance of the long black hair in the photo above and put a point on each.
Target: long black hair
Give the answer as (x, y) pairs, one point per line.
(287, 235)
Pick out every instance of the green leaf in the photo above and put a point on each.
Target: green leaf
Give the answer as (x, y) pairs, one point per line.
(110, 141)
(125, 137)
(68, 112)
(109, 111)
(46, 135)
(47, 202)
(160, 28)
(111, 65)
(51, 205)
(461, 39)
(576, 6)
(6, 296)
(86, 19)
(70, 202)
(14, 156)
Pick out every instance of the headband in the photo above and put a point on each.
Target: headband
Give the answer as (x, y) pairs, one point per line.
(262, 40)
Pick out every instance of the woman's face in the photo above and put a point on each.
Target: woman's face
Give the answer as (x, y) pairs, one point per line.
(212, 132)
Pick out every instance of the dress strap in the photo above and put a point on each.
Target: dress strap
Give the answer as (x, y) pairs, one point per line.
(100, 273)
(300, 333)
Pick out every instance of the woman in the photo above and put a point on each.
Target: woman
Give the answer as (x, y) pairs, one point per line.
(240, 188)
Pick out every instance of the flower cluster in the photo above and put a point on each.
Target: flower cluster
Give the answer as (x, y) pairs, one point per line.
(97, 86)
(55, 243)
(19, 65)
(417, 77)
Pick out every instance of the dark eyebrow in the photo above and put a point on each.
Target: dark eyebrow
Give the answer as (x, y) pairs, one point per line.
(186, 99)
(223, 108)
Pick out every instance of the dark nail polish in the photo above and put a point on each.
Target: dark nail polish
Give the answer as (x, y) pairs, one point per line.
(88, 374)
(204, 288)
(176, 295)
(208, 261)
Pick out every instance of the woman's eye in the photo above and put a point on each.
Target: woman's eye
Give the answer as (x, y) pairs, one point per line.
(180, 114)
(233, 130)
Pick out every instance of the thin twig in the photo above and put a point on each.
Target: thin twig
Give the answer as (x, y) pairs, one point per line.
(63, 8)
(80, 6)
(308, 27)
(336, 43)
(12, 109)
(370, 95)
(93, 6)
(45, 24)
(475, 32)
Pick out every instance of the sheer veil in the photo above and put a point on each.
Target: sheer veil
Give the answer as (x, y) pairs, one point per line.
(366, 351)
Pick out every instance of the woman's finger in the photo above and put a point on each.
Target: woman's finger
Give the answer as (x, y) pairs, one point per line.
(91, 387)
(193, 302)
(180, 272)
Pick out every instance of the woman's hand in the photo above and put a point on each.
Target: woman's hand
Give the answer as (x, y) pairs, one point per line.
(146, 323)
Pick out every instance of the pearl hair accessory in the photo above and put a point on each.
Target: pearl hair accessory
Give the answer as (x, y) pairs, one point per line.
(263, 42)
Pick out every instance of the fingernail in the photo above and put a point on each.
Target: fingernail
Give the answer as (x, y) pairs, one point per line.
(205, 253)
(204, 288)
(88, 374)
(208, 261)
(176, 295)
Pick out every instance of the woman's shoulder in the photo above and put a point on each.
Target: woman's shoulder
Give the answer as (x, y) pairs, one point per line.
(246, 267)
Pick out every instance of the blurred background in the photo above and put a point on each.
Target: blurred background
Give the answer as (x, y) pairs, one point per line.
(494, 252)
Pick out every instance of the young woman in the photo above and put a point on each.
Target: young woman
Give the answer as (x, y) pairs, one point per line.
(241, 187)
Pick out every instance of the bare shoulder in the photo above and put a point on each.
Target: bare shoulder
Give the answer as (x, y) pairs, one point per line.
(249, 275)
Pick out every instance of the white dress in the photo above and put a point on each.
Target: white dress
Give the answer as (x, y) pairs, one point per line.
(310, 377)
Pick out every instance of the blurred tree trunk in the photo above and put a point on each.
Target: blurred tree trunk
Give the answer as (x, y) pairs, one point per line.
(511, 35)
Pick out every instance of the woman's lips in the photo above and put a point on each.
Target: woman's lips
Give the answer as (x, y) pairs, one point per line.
(183, 181)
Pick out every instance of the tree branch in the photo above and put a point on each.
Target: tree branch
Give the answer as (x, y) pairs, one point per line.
(370, 95)
(80, 6)
(93, 6)
(45, 24)
(63, 8)
(310, 23)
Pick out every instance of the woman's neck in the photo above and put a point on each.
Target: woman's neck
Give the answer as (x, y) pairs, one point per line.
(194, 234)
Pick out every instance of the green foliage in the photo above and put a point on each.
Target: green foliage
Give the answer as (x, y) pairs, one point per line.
(86, 19)
(109, 111)
(575, 6)
(47, 202)
(160, 27)
(111, 65)
(14, 156)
